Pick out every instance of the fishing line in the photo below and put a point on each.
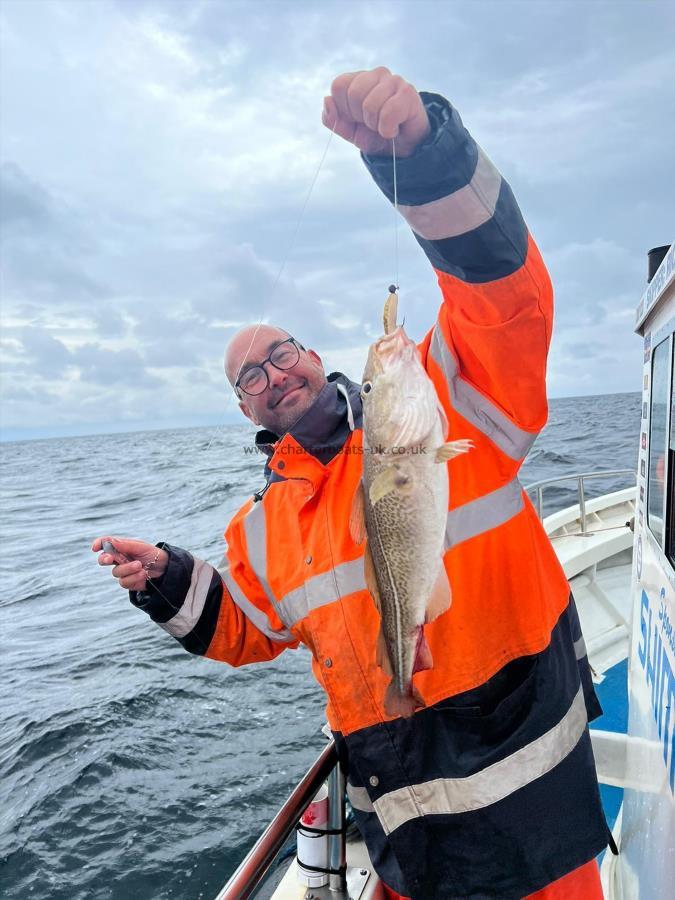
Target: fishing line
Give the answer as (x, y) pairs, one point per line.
(287, 255)
(393, 160)
(108, 547)
(292, 241)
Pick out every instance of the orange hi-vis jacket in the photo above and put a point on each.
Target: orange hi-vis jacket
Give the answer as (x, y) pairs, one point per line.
(490, 789)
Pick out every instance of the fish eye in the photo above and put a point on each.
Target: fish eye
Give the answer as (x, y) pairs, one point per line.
(366, 387)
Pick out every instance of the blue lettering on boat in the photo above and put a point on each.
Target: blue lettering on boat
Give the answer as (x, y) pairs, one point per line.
(655, 640)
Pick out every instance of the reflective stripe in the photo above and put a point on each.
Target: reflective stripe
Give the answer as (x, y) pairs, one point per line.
(477, 409)
(256, 616)
(255, 528)
(449, 796)
(322, 589)
(484, 513)
(359, 799)
(188, 615)
(461, 211)
(580, 648)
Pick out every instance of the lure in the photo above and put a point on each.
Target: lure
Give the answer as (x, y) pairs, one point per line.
(109, 547)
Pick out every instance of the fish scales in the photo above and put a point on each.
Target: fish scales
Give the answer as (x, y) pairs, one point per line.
(405, 532)
(402, 506)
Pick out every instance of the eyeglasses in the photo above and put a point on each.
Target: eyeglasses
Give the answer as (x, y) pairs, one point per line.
(284, 356)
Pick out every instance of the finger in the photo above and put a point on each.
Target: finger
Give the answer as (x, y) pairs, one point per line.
(329, 114)
(100, 541)
(130, 568)
(338, 91)
(133, 582)
(378, 96)
(360, 86)
(395, 111)
(129, 547)
(106, 559)
(332, 120)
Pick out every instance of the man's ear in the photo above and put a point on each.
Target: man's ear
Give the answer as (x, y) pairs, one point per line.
(314, 356)
(248, 412)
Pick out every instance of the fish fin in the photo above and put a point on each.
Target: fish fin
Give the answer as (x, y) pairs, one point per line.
(382, 654)
(357, 519)
(388, 480)
(444, 419)
(371, 579)
(398, 704)
(423, 658)
(452, 449)
(390, 312)
(441, 596)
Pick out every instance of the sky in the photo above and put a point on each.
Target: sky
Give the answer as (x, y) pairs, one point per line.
(155, 158)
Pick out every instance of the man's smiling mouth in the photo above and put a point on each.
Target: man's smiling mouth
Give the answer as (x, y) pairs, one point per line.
(288, 394)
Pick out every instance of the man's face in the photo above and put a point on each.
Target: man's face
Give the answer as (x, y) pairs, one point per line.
(289, 393)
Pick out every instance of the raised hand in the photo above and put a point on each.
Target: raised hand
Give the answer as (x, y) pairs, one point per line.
(370, 108)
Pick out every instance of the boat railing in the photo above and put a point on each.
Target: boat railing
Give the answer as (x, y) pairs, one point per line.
(580, 478)
(257, 863)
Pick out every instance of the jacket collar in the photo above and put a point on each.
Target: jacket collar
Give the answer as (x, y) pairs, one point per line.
(323, 429)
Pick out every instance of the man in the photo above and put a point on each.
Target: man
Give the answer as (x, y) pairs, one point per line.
(490, 789)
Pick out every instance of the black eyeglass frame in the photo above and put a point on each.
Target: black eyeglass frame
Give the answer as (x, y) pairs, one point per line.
(261, 365)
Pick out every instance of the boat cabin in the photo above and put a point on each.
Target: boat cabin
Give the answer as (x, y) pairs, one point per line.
(645, 867)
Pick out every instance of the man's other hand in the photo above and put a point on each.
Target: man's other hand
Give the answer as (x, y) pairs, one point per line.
(133, 561)
(370, 108)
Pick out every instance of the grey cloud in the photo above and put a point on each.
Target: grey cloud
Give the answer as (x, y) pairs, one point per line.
(18, 392)
(109, 367)
(108, 320)
(45, 244)
(582, 350)
(155, 202)
(25, 204)
(48, 356)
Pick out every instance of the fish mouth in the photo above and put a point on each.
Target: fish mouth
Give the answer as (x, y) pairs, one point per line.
(394, 347)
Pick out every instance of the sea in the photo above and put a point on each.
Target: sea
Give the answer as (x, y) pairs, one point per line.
(129, 768)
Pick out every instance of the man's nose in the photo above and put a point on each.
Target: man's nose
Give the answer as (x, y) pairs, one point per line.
(276, 377)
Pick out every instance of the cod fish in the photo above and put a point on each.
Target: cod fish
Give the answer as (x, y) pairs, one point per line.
(401, 506)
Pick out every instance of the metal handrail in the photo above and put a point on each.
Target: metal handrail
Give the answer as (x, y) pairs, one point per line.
(580, 477)
(255, 865)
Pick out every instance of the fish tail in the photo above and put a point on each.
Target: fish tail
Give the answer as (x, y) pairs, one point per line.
(397, 703)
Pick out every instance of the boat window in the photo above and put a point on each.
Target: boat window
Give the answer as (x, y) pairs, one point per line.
(658, 440)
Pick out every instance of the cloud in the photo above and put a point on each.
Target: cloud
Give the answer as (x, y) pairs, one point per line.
(25, 205)
(45, 244)
(46, 356)
(155, 158)
(111, 367)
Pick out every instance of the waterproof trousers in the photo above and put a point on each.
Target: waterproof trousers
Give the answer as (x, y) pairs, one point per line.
(581, 884)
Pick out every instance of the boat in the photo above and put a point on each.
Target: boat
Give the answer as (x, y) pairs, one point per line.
(618, 552)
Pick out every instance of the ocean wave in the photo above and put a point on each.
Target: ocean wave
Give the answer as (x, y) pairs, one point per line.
(131, 769)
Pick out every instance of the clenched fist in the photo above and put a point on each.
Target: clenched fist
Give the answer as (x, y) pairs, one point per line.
(368, 109)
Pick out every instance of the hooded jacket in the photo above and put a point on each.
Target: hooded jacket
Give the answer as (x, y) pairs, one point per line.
(490, 789)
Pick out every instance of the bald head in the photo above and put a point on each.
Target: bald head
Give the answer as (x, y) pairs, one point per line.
(245, 341)
(289, 392)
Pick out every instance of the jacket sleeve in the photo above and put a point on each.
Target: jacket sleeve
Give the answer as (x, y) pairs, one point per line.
(494, 327)
(214, 612)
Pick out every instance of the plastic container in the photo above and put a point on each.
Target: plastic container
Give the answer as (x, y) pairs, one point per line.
(313, 848)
